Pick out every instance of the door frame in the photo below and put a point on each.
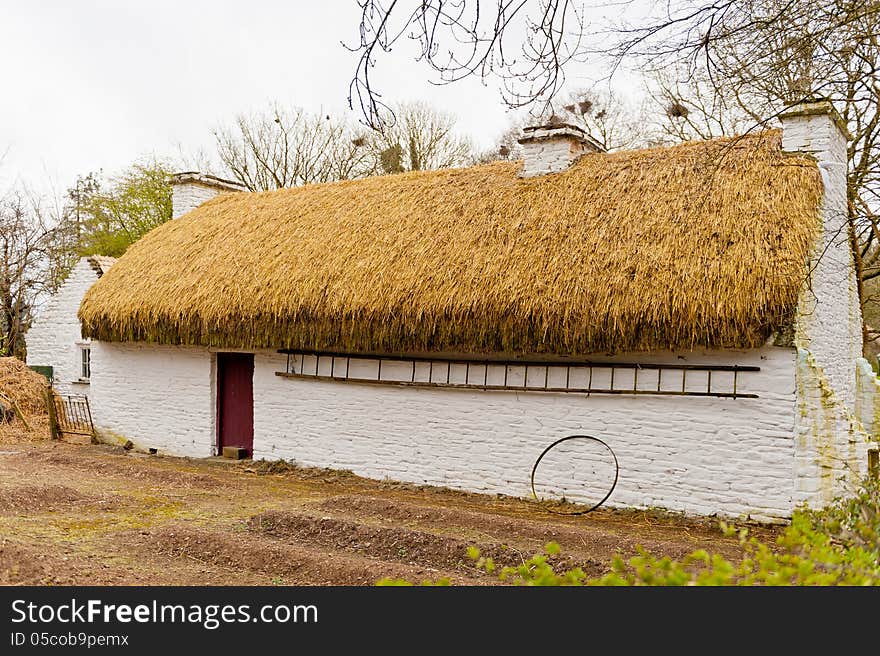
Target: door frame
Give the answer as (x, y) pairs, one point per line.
(218, 397)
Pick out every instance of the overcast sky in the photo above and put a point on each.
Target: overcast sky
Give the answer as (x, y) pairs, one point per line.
(95, 84)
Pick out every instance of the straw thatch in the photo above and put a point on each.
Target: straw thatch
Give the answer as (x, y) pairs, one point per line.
(27, 390)
(702, 244)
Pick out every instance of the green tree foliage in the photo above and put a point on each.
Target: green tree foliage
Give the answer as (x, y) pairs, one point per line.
(108, 218)
(839, 545)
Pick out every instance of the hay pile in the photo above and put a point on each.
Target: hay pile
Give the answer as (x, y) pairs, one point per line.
(27, 389)
(700, 244)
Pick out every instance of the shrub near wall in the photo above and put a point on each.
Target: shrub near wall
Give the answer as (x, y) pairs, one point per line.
(839, 545)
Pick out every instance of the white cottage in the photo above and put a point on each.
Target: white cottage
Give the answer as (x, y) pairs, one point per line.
(695, 307)
(55, 345)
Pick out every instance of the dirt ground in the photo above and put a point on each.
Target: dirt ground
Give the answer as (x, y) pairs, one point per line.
(85, 514)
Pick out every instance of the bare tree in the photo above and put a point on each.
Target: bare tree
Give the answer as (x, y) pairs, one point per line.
(689, 105)
(421, 138)
(527, 44)
(614, 123)
(285, 148)
(759, 56)
(802, 34)
(28, 272)
(524, 43)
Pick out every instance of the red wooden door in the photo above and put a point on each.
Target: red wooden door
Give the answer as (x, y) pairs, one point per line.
(235, 401)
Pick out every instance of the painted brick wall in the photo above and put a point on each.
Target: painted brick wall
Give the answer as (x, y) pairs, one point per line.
(54, 337)
(157, 396)
(699, 455)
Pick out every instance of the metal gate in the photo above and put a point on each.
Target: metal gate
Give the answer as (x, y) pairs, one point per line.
(70, 414)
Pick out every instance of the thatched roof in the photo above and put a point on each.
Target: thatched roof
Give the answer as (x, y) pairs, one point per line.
(702, 244)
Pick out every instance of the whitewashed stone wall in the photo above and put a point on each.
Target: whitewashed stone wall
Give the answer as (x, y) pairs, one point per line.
(831, 441)
(157, 396)
(188, 196)
(551, 149)
(829, 317)
(549, 156)
(55, 339)
(868, 398)
(698, 455)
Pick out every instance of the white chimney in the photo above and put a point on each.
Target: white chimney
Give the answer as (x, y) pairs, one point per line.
(190, 189)
(814, 127)
(829, 318)
(552, 148)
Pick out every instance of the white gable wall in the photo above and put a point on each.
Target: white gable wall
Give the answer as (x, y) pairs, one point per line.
(692, 454)
(54, 339)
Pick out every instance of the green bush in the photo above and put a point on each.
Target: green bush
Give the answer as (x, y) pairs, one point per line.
(839, 545)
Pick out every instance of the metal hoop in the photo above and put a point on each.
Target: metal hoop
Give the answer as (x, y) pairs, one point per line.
(565, 439)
